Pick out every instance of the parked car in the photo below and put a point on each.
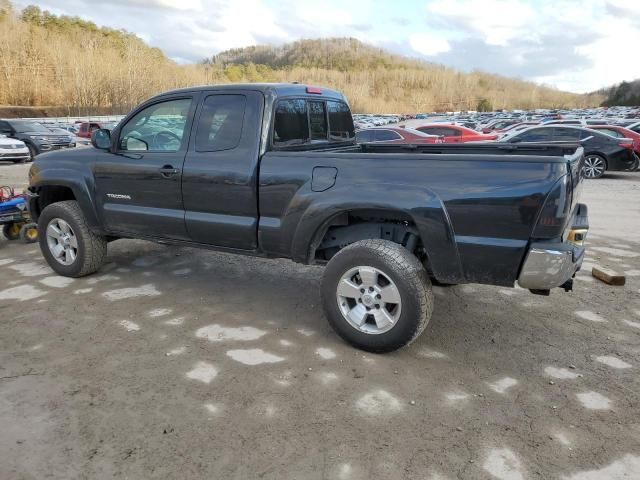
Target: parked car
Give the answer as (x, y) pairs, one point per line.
(85, 129)
(394, 135)
(455, 133)
(620, 132)
(72, 129)
(602, 152)
(59, 130)
(634, 126)
(385, 218)
(13, 150)
(496, 126)
(518, 126)
(37, 137)
(63, 132)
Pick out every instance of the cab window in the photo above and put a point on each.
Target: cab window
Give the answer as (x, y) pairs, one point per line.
(291, 125)
(299, 121)
(340, 121)
(220, 125)
(157, 128)
(317, 121)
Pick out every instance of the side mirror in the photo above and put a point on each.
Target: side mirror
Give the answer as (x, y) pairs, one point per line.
(101, 139)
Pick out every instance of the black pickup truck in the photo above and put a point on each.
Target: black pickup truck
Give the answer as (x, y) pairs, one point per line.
(274, 170)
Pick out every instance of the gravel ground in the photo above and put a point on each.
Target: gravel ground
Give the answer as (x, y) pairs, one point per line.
(183, 363)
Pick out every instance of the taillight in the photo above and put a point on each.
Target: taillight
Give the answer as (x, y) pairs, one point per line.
(314, 90)
(555, 211)
(627, 143)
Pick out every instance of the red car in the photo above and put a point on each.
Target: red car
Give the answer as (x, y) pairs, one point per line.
(86, 128)
(394, 135)
(619, 132)
(455, 133)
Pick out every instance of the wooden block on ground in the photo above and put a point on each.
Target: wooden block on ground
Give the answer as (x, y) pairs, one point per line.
(608, 276)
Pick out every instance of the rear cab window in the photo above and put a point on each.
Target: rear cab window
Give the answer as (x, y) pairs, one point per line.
(300, 121)
(221, 122)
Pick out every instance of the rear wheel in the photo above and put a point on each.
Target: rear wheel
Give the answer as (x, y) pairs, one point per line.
(377, 295)
(69, 247)
(594, 166)
(29, 233)
(11, 230)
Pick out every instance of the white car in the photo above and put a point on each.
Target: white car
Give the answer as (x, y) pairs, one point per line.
(13, 150)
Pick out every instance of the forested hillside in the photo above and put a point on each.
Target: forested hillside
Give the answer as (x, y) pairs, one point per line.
(626, 93)
(68, 62)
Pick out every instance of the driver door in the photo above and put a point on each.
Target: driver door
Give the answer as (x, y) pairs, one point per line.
(138, 183)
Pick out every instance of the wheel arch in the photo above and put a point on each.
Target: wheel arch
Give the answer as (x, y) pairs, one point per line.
(56, 190)
(424, 210)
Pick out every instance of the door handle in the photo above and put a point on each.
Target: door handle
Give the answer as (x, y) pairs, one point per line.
(168, 171)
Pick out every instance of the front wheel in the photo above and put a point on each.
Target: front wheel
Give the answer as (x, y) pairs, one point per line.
(69, 246)
(29, 233)
(377, 295)
(594, 166)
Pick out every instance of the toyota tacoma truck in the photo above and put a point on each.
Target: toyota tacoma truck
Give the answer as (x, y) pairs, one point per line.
(274, 170)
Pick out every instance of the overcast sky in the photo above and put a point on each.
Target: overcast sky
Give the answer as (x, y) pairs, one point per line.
(571, 44)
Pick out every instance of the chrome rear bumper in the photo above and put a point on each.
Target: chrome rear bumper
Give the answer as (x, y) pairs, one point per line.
(549, 266)
(554, 264)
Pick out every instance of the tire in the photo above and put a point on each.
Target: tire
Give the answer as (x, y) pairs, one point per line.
(11, 230)
(90, 249)
(389, 265)
(29, 233)
(594, 165)
(32, 152)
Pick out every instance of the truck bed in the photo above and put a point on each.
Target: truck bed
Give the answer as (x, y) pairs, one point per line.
(477, 204)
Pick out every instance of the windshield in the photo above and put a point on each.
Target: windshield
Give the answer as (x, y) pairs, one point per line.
(22, 126)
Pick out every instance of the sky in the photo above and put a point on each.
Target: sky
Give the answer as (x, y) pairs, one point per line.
(573, 45)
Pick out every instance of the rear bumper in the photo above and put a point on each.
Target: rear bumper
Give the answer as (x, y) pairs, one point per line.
(625, 160)
(552, 264)
(549, 266)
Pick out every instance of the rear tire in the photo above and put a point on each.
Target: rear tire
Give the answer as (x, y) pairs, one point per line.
(29, 233)
(369, 321)
(70, 248)
(11, 230)
(594, 166)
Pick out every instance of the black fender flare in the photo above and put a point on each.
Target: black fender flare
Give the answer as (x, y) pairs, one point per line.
(424, 207)
(82, 191)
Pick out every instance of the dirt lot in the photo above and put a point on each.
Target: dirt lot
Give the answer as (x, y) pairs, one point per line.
(182, 363)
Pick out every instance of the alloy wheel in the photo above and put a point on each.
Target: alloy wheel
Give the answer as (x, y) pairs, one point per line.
(369, 300)
(594, 166)
(62, 241)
